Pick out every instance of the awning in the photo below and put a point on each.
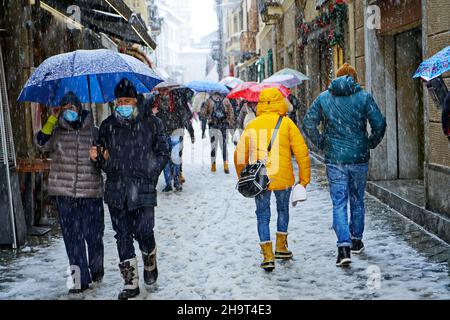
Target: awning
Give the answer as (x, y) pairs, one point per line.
(112, 17)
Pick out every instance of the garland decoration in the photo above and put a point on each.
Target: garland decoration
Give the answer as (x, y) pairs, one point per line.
(334, 16)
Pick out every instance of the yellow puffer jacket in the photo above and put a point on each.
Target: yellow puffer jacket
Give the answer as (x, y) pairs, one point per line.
(255, 140)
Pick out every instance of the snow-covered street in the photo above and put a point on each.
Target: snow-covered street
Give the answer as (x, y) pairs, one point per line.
(208, 249)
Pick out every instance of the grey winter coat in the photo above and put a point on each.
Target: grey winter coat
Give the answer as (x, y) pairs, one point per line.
(72, 173)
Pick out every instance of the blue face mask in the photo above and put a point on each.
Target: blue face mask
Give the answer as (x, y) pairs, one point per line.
(125, 111)
(70, 116)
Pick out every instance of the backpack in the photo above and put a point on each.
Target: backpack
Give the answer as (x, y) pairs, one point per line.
(218, 114)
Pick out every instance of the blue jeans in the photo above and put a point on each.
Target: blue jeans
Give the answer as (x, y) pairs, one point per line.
(172, 169)
(82, 224)
(130, 225)
(348, 183)
(263, 212)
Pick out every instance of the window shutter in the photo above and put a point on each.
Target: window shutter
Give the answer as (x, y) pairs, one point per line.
(7, 152)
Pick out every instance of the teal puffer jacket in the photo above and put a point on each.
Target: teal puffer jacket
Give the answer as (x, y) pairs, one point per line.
(344, 110)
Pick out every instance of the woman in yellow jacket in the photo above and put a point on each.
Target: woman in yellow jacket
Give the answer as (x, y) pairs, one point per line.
(253, 146)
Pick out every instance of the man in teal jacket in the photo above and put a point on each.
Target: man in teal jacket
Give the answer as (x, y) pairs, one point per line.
(344, 110)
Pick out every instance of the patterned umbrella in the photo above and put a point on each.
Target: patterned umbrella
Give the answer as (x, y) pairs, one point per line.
(91, 74)
(434, 66)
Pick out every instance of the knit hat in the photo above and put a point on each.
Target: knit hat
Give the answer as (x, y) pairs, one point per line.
(70, 98)
(125, 89)
(347, 69)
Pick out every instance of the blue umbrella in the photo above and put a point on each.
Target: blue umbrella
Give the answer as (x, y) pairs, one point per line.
(434, 66)
(91, 74)
(208, 86)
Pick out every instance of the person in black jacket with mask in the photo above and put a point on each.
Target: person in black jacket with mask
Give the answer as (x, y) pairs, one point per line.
(133, 151)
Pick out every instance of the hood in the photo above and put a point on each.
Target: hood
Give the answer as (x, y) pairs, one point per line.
(271, 101)
(344, 86)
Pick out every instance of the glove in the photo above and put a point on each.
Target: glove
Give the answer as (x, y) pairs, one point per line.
(49, 125)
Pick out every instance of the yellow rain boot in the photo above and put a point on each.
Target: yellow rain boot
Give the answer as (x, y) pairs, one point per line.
(281, 250)
(213, 167)
(225, 167)
(268, 263)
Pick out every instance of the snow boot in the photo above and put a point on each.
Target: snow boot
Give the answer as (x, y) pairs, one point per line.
(268, 263)
(344, 257)
(74, 291)
(225, 167)
(213, 167)
(357, 246)
(130, 275)
(168, 188)
(150, 267)
(281, 248)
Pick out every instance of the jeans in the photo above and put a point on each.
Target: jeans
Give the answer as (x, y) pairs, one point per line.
(82, 223)
(348, 183)
(263, 212)
(130, 225)
(218, 135)
(173, 167)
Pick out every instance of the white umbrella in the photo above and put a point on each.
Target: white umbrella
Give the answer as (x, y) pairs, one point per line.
(300, 76)
(286, 80)
(231, 82)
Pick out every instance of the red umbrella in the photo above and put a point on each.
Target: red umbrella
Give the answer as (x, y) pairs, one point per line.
(250, 91)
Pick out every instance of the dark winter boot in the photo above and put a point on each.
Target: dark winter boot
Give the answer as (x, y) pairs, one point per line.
(74, 291)
(357, 246)
(130, 275)
(167, 189)
(226, 169)
(97, 277)
(343, 259)
(150, 267)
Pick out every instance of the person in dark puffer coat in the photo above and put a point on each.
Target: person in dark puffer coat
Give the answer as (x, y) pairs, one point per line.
(345, 109)
(78, 187)
(133, 152)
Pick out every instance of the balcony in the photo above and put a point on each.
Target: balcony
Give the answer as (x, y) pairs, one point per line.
(271, 11)
(233, 42)
(248, 42)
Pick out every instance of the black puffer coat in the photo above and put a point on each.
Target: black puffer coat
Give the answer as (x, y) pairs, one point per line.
(138, 152)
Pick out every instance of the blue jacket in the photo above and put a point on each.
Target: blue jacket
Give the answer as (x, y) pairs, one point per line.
(344, 110)
(138, 153)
